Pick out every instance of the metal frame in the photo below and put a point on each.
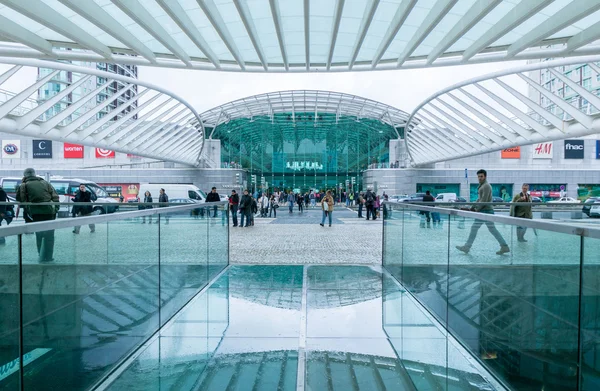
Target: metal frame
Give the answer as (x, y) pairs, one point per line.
(514, 221)
(106, 218)
(488, 113)
(123, 128)
(530, 30)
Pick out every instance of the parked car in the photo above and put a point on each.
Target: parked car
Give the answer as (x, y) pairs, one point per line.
(587, 205)
(565, 200)
(446, 197)
(397, 197)
(497, 199)
(460, 199)
(536, 199)
(182, 201)
(416, 197)
(595, 210)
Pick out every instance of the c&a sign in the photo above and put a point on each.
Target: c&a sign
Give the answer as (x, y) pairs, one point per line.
(11, 149)
(511, 153)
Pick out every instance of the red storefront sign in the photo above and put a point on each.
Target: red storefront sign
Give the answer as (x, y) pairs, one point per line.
(73, 151)
(104, 153)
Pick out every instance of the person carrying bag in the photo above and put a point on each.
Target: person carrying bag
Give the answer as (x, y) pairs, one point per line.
(327, 207)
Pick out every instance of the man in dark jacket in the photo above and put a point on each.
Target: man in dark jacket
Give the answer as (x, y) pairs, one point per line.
(83, 195)
(234, 201)
(6, 212)
(35, 190)
(245, 208)
(428, 198)
(213, 196)
(369, 203)
(163, 198)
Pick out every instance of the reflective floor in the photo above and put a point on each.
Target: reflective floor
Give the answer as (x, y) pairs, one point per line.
(301, 327)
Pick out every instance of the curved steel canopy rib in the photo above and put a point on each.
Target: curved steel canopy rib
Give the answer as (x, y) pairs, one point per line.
(493, 112)
(298, 35)
(139, 118)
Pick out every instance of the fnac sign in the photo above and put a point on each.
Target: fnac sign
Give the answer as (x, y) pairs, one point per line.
(511, 153)
(73, 151)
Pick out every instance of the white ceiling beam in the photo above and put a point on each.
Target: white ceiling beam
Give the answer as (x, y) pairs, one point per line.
(307, 32)
(362, 30)
(181, 18)
(456, 132)
(583, 38)
(134, 142)
(15, 32)
(47, 16)
(140, 126)
(142, 17)
(476, 125)
(484, 117)
(548, 116)
(400, 16)
(11, 104)
(212, 13)
(520, 13)
(277, 22)
(103, 20)
(246, 17)
(453, 140)
(44, 106)
(433, 18)
(570, 14)
(143, 142)
(8, 74)
(473, 16)
(334, 31)
(584, 93)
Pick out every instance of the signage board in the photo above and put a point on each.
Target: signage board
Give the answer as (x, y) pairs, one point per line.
(597, 149)
(542, 150)
(42, 149)
(11, 149)
(511, 153)
(73, 151)
(104, 153)
(574, 149)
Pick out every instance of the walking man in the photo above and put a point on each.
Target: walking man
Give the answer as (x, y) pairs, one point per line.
(83, 195)
(370, 203)
(234, 201)
(213, 196)
(484, 192)
(163, 198)
(522, 208)
(35, 190)
(429, 199)
(291, 199)
(245, 209)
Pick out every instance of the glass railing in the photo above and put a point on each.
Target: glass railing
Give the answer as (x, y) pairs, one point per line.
(523, 296)
(79, 296)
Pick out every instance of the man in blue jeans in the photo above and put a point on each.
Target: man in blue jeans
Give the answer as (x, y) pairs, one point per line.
(484, 192)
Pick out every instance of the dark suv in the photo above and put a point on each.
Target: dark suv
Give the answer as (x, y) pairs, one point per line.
(587, 205)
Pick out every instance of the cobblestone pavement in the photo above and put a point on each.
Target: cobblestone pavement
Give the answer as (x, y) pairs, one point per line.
(299, 239)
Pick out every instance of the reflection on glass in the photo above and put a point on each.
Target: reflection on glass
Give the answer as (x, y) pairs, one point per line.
(9, 318)
(590, 316)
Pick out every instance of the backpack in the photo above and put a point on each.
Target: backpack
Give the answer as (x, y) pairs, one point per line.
(370, 198)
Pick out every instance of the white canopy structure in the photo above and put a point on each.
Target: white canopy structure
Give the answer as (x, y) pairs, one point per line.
(298, 35)
(494, 112)
(153, 122)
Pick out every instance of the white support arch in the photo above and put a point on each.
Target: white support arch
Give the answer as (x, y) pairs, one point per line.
(148, 121)
(490, 113)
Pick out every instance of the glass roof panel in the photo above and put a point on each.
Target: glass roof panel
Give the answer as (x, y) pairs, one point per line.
(578, 27)
(265, 27)
(350, 23)
(381, 21)
(292, 24)
(235, 26)
(209, 33)
(32, 25)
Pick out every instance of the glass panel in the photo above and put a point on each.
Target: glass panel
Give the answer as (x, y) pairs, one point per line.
(91, 306)
(183, 259)
(9, 320)
(517, 311)
(590, 316)
(218, 239)
(393, 220)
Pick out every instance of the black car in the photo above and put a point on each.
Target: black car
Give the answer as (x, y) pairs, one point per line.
(416, 197)
(497, 199)
(536, 199)
(587, 205)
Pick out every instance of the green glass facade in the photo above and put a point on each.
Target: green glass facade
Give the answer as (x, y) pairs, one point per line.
(303, 151)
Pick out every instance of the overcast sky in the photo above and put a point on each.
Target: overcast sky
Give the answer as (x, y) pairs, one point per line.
(403, 89)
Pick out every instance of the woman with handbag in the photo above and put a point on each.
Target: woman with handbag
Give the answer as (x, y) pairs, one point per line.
(327, 206)
(274, 206)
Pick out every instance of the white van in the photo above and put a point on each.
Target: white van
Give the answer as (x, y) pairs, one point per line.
(446, 197)
(173, 190)
(66, 189)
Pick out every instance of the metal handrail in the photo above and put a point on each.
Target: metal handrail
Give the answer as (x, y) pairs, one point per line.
(515, 221)
(68, 223)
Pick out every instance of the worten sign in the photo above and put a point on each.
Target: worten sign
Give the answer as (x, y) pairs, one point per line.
(574, 149)
(73, 151)
(42, 149)
(11, 149)
(542, 150)
(511, 153)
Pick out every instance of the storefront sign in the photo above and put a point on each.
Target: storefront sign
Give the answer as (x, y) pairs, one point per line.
(542, 151)
(597, 149)
(73, 151)
(511, 153)
(574, 149)
(104, 153)
(11, 149)
(42, 149)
